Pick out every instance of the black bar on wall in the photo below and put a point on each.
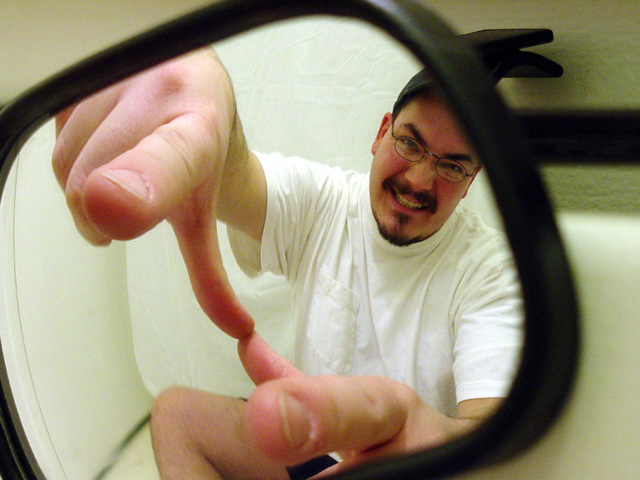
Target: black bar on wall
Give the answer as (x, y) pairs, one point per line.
(583, 136)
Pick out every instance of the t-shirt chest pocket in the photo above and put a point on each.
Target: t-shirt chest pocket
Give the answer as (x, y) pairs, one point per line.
(332, 323)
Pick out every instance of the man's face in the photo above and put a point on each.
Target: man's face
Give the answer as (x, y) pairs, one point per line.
(410, 201)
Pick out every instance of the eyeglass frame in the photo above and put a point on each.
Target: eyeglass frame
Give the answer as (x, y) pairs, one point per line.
(427, 152)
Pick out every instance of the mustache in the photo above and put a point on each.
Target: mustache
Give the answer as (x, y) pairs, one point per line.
(422, 197)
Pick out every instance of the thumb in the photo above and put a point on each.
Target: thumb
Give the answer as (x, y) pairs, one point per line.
(153, 180)
(295, 419)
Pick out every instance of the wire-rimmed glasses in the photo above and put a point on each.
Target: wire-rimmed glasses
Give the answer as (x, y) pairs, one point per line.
(447, 168)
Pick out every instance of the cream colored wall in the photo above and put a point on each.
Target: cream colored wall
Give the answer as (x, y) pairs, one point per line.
(596, 40)
(66, 334)
(40, 38)
(596, 437)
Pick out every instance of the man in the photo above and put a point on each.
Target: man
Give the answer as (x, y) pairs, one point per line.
(389, 276)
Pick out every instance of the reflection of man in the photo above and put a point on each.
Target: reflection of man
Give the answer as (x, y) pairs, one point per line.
(390, 277)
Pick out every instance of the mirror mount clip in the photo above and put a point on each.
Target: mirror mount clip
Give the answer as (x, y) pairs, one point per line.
(500, 50)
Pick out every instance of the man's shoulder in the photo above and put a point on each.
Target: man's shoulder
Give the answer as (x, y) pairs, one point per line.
(474, 235)
(302, 170)
(467, 218)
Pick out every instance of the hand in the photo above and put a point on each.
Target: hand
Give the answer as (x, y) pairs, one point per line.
(152, 148)
(292, 417)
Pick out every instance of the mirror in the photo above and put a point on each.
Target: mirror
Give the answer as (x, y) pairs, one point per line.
(128, 350)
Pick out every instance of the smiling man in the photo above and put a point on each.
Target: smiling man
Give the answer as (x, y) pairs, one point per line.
(414, 191)
(407, 306)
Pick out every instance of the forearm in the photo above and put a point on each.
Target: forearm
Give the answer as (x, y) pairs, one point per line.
(242, 201)
(471, 413)
(242, 196)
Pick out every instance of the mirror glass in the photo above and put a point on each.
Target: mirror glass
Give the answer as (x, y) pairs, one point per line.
(95, 333)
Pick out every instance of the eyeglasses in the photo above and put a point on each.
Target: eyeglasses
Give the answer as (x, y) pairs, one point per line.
(447, 168)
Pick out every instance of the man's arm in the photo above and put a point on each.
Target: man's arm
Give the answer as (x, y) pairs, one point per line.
(166, 144)
(243, 194)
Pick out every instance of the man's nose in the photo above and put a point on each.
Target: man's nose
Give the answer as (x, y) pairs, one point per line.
(422, 174)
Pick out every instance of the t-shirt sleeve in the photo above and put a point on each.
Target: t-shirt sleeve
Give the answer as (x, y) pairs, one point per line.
(297, 196)
(488, 328)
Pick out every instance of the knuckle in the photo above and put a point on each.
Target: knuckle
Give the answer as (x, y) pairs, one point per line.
(176, 78)
(172, 78)
(373, 407)
(75, 203)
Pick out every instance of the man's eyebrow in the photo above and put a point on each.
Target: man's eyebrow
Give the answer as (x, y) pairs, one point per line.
(458, 157)
(415, 133)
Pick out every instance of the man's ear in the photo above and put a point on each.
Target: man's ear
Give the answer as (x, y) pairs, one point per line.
(387, 121)
(478, 168)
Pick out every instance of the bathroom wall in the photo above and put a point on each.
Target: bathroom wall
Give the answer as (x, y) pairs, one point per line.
(65, 329)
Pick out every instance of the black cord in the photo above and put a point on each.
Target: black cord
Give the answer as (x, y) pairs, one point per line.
(117, 453)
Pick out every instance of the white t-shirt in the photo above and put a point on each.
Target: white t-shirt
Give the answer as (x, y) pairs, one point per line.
(443, 316)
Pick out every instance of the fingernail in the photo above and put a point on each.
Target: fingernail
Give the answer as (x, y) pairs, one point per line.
(295, 420)
(129, 181)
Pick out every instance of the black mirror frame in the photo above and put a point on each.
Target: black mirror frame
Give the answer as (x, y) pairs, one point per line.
(549, 358)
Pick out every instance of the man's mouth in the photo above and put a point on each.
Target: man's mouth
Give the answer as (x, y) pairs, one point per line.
(409, 204)
(412, 200)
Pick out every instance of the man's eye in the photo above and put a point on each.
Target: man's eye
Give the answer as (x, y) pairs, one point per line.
(410, 145)
(453, 167)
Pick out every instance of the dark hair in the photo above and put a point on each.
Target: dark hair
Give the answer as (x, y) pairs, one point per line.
(421, 82)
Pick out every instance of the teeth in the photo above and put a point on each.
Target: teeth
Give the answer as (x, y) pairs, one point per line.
(408, 204)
